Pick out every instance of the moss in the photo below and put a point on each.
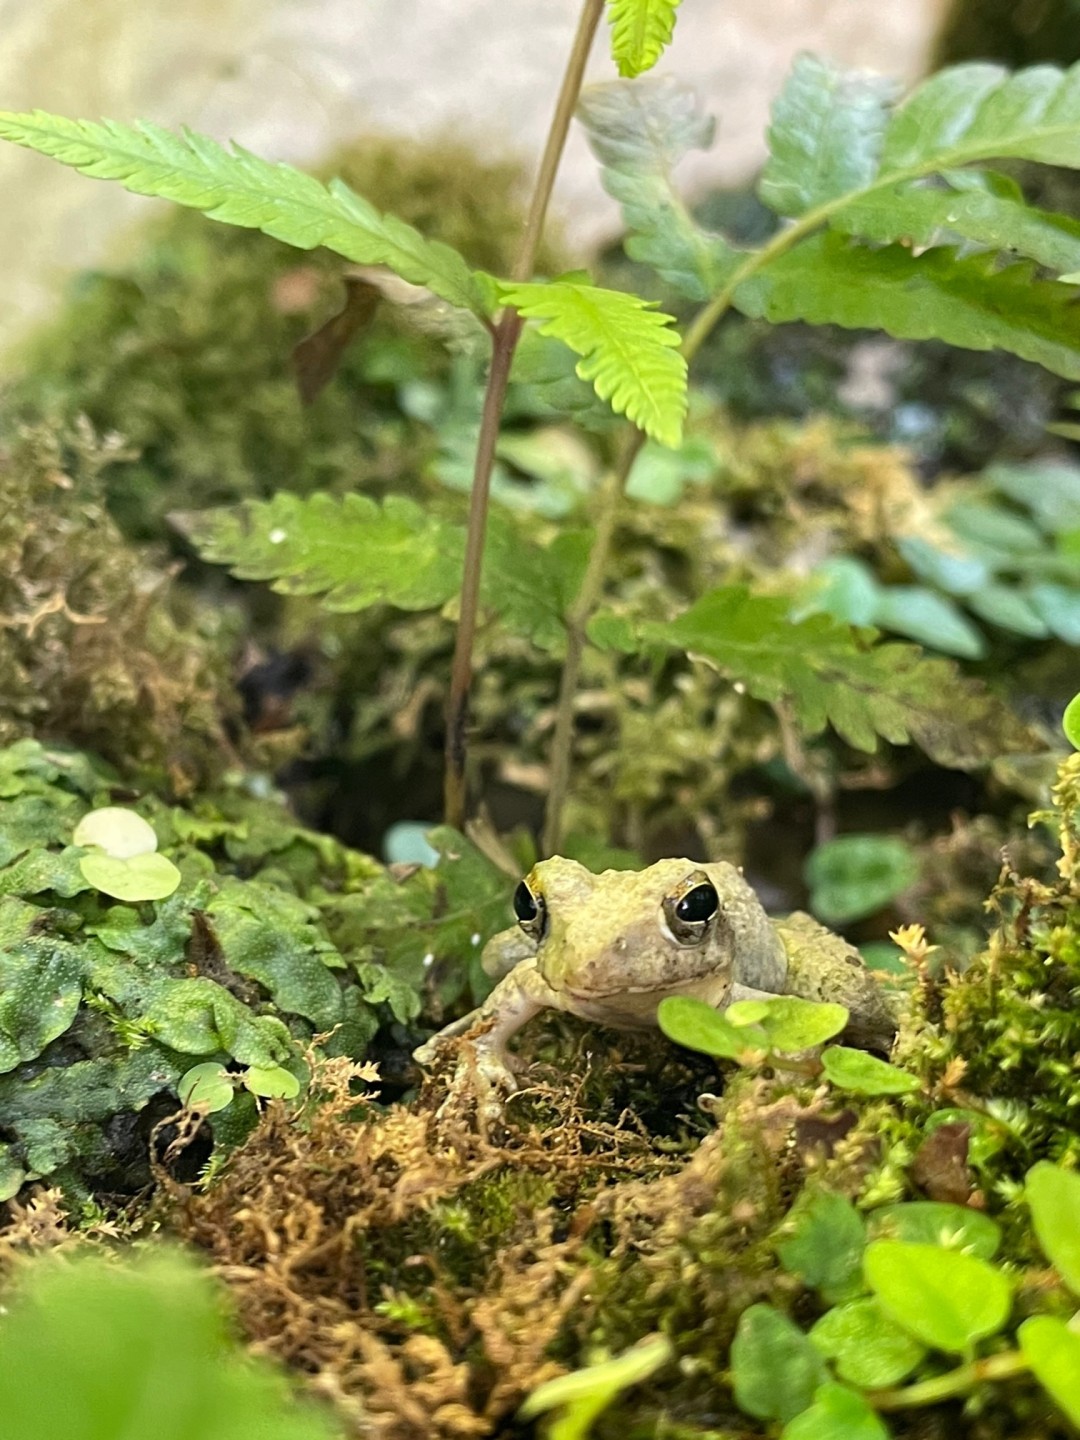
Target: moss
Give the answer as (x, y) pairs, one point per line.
(97, 646)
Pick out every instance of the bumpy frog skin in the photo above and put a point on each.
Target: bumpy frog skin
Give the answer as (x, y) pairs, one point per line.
(610, 947)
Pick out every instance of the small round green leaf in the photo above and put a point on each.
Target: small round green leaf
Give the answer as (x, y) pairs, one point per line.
(825, 1244)
(933, 1222)
(1053, 1352)
(143, 877)
(866, 1074)
(271, 1081)
(791, 1024)
(836, 1414)
(1071, 722)
(206, 1087)
(868, 1348)
(1054, 1197)
(119, 832)
(855, 875)
(774, 1368)
(944, 1298)
(698, 1026)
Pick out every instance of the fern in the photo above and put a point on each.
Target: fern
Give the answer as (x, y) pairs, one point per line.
(241, 189)
(628, 349)
(640, 32)
(351, 552)
(825, 137)
(639, 132)
(828, 674)
(967, 302)
(979, 207)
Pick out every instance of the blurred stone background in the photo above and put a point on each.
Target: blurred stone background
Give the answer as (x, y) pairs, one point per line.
(291, 78)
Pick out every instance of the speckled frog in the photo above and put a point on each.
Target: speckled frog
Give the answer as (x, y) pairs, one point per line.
(610, 947)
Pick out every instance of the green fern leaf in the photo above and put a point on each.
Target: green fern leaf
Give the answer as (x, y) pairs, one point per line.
(979, 208)
(239, 188)
(826, 135)
(828, 674)
(640, 32)
(639, 132)
(351, 552)
(628, 349)
(978, 112)
(966, 302)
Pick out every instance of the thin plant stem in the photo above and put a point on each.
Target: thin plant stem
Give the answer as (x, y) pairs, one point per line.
(953, 1383)
(562, 741)
(504, 343)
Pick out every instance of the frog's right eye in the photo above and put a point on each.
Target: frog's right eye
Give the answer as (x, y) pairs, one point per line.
(530, 911)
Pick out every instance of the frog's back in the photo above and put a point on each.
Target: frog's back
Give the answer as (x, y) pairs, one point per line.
(824, 966)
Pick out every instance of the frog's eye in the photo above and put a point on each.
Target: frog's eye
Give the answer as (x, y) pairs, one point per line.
(689, 910)
(530, 911)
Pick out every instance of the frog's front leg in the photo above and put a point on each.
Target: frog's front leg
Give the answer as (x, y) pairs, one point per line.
(483, 1068)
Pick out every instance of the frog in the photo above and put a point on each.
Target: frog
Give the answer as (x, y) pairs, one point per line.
(609, 947)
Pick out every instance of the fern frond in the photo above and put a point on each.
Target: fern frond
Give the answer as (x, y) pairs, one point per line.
(239, 188)
(979, 208)
(639, 131)
(829, 674)
(629, 350)
(825, 137)
(351, 552)
(937, 295)
(641, 30)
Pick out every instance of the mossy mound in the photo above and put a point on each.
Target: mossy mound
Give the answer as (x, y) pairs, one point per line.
(429, 1278)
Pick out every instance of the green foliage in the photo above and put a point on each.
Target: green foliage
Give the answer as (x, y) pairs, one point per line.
(1054, 1197)
(585, 1394)
(939, 294)
(933, 1222)
(353, 552)
(111, 1012)
(629, 350)
(1053, 1352)
(824, 1246)
(639, 132)
(93, 1346)
(641, 30)
(868, 1348)
(775, 1370)
(865, 1074)
(837, 1413)
(825, 673)
(855, 875)
(944, 1298)
(826, 136)
(142, 877)
(749, 1031)
(238, 188)
(1004, 555)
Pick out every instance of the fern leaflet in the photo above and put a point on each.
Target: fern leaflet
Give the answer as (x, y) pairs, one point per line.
(239, 188)
(641, 30)
(629, 350)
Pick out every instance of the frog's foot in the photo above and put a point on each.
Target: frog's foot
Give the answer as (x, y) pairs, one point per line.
(471, 1070)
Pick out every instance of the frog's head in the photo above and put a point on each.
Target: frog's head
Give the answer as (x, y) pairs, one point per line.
(623, 931)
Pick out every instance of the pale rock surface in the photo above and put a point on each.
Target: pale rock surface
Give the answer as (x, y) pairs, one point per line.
(290, 78)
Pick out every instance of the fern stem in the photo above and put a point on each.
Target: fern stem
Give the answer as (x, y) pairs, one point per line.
(577, 619)
(504, 343)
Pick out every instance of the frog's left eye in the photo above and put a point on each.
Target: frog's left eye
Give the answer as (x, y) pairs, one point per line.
(530, 910)
(689, 910)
